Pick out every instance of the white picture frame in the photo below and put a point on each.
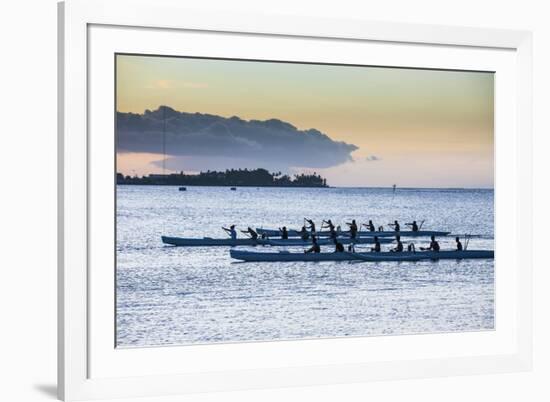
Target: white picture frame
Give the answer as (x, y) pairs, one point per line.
(87, 367)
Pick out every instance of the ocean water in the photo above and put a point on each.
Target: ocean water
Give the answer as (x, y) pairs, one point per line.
(174, 295)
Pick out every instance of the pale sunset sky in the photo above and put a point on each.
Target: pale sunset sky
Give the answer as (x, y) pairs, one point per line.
(412, 128)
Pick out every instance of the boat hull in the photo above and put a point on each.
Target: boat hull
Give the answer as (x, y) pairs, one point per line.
(210, 242)
(325, 241)
(391, 233)
(372, 257)
(207, 241)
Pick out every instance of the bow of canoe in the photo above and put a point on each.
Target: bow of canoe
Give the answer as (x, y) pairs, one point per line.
(208, 241)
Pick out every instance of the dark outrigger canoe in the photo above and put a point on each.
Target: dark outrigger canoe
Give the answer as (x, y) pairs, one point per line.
(370, 256)
(362, 233)
(211, 242)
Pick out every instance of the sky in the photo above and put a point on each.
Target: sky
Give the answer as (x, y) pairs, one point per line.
(357, 126)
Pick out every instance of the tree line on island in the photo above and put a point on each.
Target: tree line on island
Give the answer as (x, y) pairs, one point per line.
(231, 177)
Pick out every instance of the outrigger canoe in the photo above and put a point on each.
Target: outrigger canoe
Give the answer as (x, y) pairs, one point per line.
(208, 241)
(362, 233)
(370, 256)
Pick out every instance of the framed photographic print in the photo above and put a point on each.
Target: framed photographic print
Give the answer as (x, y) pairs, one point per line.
(261, 201)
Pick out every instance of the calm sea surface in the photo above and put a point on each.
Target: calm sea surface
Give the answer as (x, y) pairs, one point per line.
(174, 295)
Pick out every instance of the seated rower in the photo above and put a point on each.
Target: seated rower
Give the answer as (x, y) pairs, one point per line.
(458, 244)
(352, 229)
(231, 231)
(399, 247)
(411, 248)
(376, 247)
(331, 228)
(338, 247)
(284, 233)
(329, 225)
(434, 245)
(251, 232)
(369, 226)
(413, 225)
(395, 225)
(314, 247)
(351, 247)
(304, 234)
(311, 226)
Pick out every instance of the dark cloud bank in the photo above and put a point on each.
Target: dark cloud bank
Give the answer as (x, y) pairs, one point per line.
(196, 141)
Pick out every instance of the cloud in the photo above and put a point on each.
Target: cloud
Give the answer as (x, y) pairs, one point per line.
(372, 158)
(196, 141)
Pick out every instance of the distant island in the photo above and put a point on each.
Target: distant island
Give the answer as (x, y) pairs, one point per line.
(233, 177)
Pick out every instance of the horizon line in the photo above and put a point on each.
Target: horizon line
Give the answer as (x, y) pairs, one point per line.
(327, 187)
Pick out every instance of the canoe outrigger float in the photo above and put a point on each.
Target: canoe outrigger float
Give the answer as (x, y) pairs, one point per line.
(208, 241)
(362, 233)
(370, 256)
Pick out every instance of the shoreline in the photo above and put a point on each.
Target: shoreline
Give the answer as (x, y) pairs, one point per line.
(320, 187)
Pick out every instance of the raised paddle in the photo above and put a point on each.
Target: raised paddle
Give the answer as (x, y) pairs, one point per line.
(246, 233)
(466, 242)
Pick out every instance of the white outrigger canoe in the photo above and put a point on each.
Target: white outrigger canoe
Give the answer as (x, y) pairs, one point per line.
(370, 256)
(361, 233)
(211, 242)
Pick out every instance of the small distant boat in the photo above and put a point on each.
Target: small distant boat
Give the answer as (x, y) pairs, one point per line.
(388, 233)
(370, 257)
(182, 189)
(211, 242)
(233, 188)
